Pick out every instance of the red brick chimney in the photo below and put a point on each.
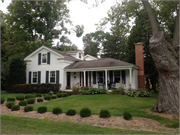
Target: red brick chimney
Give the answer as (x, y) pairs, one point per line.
(140, 63)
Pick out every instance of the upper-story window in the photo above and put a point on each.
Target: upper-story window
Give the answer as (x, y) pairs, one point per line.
(44, 58)
(79, 55)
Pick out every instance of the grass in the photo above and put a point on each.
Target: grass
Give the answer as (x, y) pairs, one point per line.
(21, 125)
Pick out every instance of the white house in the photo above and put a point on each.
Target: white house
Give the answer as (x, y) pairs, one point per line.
(48, 65)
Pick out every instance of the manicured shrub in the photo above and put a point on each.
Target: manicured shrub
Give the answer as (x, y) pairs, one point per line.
(127, 115)
(28, 108)
(38, 95)
(56, 92)
(39, 100)
(47, 97)
(57, 110)
(71, 112)
(75, 90)
(85, 112)
(23, 103)
(65, 95)
(10, 99)
(105, 114)
(15, 107)
(69, 93)
(59, 95)
(2, 100)
(42, 109)
(9, 104)
(53, 97)
(85, 92)
(20, 97)
(28, 96)
(84, 88)
(139, 93)
(51, 93)
(30, 100)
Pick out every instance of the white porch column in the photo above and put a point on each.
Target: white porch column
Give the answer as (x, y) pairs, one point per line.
(106, 79)
(130, 74)
(84, 78)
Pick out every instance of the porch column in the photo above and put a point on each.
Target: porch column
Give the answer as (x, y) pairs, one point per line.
(130, 74)
(106, 79)
(84, 78)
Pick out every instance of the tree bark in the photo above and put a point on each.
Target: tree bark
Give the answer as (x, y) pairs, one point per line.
(166, 60)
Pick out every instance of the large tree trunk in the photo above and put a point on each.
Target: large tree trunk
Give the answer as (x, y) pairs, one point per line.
(166, 60)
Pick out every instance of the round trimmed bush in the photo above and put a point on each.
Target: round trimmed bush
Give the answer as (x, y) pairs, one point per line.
(30, 100)
(105, 114)
(28, 96)
(47, 97)
(23, 103)
(59, 95)
(28, 108)
(39, 100)
(65, 95)
(2, 100)
(9, 104)
(42, 109)
(10, 99)
(53, 97)
(57, 110)
(15, 107)
(20, 97)
(85, 112)
(38, 95)
(71, 112)
(127, 115)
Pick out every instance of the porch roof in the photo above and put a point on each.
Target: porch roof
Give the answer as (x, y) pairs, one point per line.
(104, 62)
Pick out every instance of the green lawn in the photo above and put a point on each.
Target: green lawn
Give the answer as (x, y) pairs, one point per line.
(20, 125)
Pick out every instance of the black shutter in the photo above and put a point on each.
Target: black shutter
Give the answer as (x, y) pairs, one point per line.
(39, 58)
(57, 76)
(94, 77)
(39, 76)
(47, 76)
(124, 76)
(48, 58)
(111, 77)
(29, 77)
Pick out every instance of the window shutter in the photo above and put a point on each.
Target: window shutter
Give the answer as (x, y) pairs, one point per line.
(29, 77)
(39, 76)
(47, 76)
(124, 76)
(57, 76)
(39, 58)
(48, 58)
(111, 77)
(94, 77)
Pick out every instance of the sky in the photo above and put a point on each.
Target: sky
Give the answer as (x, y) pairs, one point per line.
(81, 13)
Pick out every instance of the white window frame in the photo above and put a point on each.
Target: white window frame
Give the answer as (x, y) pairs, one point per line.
(42, 58)
(33, 77)
(54, 76)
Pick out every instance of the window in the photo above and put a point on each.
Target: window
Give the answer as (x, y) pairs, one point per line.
(116, 76)
(100, 77)
(79, 55)
(44, 58)
(52, 76)
(34, 77)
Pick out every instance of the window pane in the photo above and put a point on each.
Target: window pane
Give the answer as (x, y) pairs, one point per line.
(34, 80)
(52, 79)
(44, 58)
(34, 74)
(116, 73)
(52, 76)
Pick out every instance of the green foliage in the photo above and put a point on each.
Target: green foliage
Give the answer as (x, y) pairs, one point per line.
(39, 100)
(20, 97)
(9, 104)
(57, 110)
(65, 95)
(38, 95)
(69, 93)
(75, 90)
(105, 114)
(28, 108)
(10, 99)
(85, 112)
(30, 100)
(51, 93)
(2, 100)
(71, 112)
(23, 103)
(28, 96)
(93, 91)
(138, 93)
(59, 95)
(42, 109)
(127, 115)
(15, 107)
(118, 91)
(53, 97)
(47, 97)
(84, 88)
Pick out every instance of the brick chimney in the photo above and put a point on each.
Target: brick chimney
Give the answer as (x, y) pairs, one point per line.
(140, 63)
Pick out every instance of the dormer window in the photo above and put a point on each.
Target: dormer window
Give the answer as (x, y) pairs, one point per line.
(44, 58)
(79, 55)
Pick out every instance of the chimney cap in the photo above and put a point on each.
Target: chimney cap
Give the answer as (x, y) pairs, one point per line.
(139, 43)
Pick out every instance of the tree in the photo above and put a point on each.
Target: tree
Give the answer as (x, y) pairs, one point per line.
(66, 47)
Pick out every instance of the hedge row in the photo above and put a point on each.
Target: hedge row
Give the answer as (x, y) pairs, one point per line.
(37, 88)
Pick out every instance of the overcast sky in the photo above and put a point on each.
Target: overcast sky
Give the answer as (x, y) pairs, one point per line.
(81, 13)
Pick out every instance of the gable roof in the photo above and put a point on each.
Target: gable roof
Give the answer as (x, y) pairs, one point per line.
(92, 57)
(104, 62)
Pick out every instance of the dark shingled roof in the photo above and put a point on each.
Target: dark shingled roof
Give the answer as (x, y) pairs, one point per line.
(105, 62)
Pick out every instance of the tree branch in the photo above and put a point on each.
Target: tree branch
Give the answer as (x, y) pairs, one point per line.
(143, 19)
(153, 21)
